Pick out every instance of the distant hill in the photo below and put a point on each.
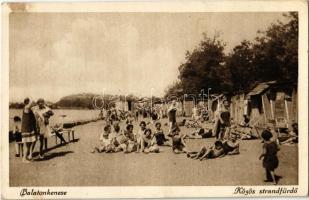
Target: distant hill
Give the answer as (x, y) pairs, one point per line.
(83, 100)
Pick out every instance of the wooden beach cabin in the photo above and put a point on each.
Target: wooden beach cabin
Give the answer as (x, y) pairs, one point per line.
(268, 101)
(238, 107)
(214, 104)
(187, 108)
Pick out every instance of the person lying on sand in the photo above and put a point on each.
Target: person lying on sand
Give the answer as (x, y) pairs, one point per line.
(213, 152)
(199, 134)
(220, 149)
(293, 135)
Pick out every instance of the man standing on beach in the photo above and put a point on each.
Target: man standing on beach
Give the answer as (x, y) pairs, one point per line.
(172, 115)
(224, 121)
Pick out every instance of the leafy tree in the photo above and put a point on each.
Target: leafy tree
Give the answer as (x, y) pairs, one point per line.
(205, 68)
(242, 70)
(273, 55)
(276, 51)
(174, 90)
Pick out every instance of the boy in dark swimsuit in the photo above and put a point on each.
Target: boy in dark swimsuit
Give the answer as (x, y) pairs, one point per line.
(178, 143)
(160, 137)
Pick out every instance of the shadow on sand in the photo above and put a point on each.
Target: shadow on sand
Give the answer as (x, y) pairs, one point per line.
(55, 147)
(53, 155)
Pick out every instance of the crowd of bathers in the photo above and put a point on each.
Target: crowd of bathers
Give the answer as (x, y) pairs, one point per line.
(120, 135)
(149, 137)
(148, 140)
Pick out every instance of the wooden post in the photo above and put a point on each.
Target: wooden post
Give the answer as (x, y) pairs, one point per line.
(272, 109)
(73, 135)
(69, 135)
(264, 110)
(287, 114)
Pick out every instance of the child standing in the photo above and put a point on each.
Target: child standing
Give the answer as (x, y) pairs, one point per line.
(18, 137)
(269, 155)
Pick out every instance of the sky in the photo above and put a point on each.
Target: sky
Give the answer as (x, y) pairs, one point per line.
(57, 54)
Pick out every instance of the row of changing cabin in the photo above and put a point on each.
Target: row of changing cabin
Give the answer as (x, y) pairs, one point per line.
(268, 103)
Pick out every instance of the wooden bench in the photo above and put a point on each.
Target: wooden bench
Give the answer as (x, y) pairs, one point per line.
(69, 132)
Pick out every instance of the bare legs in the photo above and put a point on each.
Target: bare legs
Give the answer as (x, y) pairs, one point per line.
(270, 176)
(18, 150)
(26, 151)
(43, 142)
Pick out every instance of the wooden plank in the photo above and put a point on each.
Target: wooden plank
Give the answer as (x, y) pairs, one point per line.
(264, 109)
(288, 107)
(272, 110)
(294, 106)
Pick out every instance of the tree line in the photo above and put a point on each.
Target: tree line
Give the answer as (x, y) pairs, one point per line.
(272, 55)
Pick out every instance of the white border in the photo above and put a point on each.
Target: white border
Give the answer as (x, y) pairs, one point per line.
(163, 6)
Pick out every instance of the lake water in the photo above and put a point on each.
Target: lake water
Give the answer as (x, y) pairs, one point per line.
(58, 117)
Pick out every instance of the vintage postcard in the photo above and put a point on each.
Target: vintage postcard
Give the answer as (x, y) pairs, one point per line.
(163, 99)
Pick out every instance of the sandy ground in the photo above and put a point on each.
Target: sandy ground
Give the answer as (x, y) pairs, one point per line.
(74, 165)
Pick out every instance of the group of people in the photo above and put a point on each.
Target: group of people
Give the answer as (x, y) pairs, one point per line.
(33, 126)
(115, 139)
(146, 140)
(115, 115)
(128, 139)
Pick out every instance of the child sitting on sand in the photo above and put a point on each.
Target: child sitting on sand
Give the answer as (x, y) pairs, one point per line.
(231, 146)
(105, 141)
(160, 137)
(121, 142)
(178, 143)
(148, 143)
(138, 135)
(131, 142)
(269, 155)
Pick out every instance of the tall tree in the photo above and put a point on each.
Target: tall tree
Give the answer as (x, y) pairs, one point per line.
(204, 67)
(276, 51)
(240, 63)
(273, 55)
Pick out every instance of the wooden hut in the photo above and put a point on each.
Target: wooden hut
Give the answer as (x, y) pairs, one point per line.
(214, 104)
(187, 108)
(238, 108)
(268, 101)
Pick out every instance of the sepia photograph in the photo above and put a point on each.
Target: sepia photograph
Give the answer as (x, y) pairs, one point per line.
(154, 98)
